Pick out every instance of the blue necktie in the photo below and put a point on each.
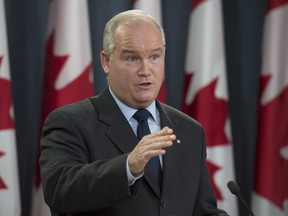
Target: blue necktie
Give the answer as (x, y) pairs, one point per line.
(153, 165)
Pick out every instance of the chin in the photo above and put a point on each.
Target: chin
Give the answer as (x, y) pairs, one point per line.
(145, 97)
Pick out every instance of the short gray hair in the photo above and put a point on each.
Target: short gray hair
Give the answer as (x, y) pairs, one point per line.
(125, 18)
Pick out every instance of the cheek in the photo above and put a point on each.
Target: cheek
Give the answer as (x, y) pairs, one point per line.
(122, 76)
(160, 73)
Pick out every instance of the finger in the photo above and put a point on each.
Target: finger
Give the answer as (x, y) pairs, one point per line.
(164, 131)
(150, 144)
(152, 140)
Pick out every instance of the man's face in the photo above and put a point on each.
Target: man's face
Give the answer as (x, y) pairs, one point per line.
(136, 70)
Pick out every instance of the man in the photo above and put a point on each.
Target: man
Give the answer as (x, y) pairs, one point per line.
(92, 162)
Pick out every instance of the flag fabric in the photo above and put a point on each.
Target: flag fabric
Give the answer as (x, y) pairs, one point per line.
(9, 180)
(68, 69)
(270, 195)
(206, 95)
(153, 7)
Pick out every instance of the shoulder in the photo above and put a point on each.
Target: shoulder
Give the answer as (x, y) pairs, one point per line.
(99, 107)
(177, 117)
(85, 106)
(73, 113)
(76, 108)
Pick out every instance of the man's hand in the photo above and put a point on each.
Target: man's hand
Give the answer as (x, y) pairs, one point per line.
(151, 145)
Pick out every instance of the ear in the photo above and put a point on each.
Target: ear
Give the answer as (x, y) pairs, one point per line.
(105, 60)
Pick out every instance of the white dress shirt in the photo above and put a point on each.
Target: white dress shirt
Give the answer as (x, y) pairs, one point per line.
(153, 122)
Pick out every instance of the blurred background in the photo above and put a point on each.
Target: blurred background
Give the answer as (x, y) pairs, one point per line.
(243, 22)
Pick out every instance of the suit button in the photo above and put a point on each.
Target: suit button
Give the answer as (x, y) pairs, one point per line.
(163, 204)
(114, 197)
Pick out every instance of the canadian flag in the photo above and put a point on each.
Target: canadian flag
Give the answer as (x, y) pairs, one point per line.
(270, 197)
(206, 95)
(9, 180)
(153, 7)
(68, 68)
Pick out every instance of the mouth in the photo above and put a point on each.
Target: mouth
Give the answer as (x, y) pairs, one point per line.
(145, 84)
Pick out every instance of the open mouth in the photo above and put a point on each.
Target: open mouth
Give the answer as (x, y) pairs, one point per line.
(145, 84)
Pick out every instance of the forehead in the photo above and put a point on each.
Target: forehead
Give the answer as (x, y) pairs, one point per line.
(140, 36)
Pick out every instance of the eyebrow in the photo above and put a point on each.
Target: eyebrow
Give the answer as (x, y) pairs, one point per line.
(127, 51)
(158, 49)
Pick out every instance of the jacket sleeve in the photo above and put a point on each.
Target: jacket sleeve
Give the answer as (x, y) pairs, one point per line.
(71, 182)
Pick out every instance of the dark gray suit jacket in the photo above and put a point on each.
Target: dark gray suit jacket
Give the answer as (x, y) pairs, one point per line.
(84, 148)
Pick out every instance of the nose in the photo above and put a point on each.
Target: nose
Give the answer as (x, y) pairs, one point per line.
(144, 70)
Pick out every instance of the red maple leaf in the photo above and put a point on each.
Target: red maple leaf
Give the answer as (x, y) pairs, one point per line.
(162, 93)
(212, 113)
(271, 168)
(213, 169)
(2, 184)
(195, 3)
(6, 121)
(77, 90)
(53, 98)
(273, 4)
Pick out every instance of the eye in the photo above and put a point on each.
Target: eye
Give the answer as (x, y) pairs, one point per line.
(154, 58)
(131, 58)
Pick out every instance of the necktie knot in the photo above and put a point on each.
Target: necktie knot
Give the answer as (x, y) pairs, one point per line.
(141, 115)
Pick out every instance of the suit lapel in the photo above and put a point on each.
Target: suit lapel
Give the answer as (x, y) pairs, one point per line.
(173, 154)
(119, 130)
(172, 157)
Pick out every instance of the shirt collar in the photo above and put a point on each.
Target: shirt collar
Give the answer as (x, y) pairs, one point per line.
(128, 111)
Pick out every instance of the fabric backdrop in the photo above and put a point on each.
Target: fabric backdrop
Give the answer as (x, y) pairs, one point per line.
(27, 26)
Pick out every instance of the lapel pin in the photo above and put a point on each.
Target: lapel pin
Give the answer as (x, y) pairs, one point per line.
(178, 141)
